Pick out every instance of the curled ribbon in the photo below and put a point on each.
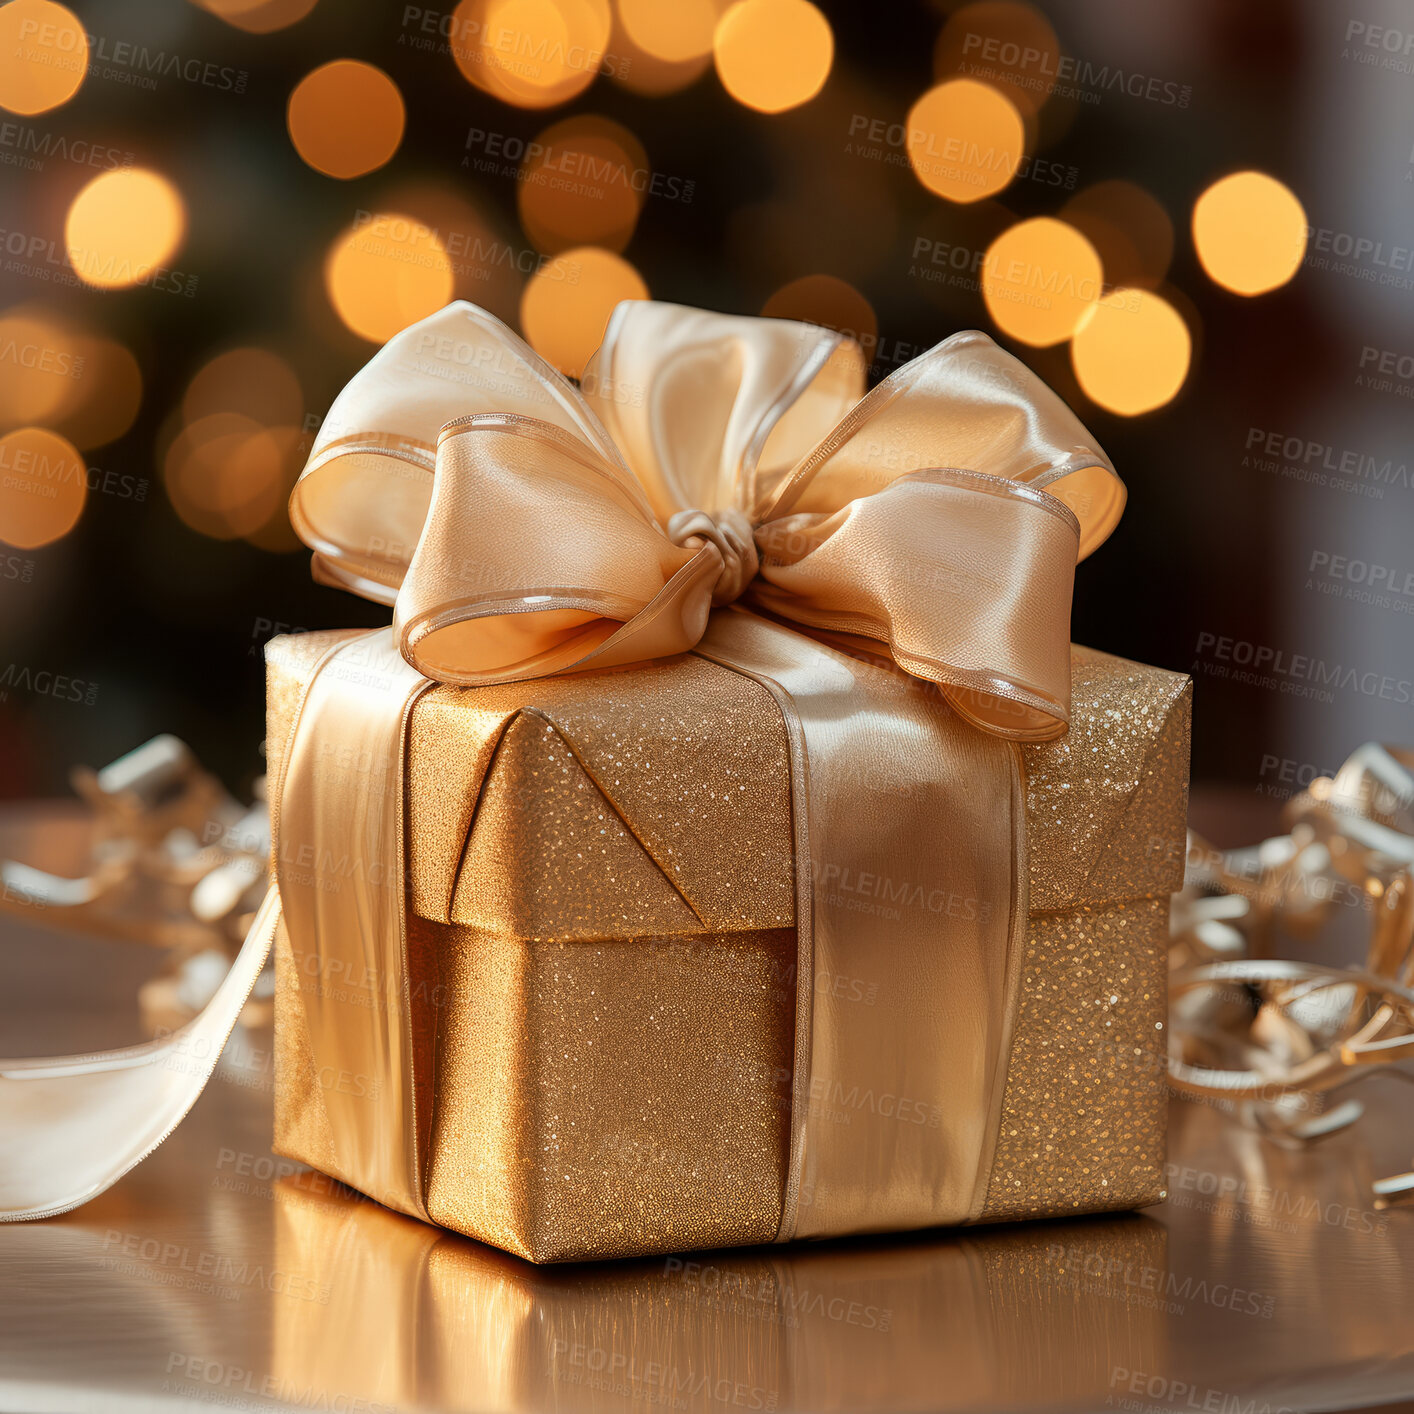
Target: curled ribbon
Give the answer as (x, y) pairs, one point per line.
(1267, 1034)
(524, 527)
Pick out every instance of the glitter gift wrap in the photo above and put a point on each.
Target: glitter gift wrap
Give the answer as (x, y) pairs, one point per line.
(602, 897)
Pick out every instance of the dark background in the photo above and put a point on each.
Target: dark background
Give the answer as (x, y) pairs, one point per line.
(168, 623)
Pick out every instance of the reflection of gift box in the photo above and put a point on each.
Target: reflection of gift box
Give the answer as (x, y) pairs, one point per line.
(611, 1068)
(995, 1318)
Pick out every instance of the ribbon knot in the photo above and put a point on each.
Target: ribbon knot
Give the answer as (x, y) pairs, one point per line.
(522, 526)
(730, 532)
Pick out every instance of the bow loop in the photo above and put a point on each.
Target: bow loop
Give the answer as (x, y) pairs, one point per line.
(524, 527)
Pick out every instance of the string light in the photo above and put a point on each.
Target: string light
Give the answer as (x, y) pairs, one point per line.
(346, 118)
(1250, 232)
(566, 304)
(1040, 279)
(43, 487)
(43, 55)
(583, 185)
(965, 140)
(1132, 353)
(122, 226)
(532, 53)
(773, 54)
(385, 273)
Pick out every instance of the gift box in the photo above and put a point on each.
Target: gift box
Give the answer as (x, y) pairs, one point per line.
(711, 891)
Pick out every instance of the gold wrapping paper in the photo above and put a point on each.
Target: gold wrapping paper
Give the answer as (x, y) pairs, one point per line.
(611, 1074)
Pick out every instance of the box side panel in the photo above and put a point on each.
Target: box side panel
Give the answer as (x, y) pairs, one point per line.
(613, 1099)
(1125, 755)
(301, 1122)
(1083, 1117)
(486, 1067)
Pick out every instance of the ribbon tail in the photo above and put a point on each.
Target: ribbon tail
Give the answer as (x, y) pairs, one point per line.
(72, 1126)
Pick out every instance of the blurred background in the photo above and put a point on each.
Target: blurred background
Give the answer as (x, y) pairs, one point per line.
(1192, 217)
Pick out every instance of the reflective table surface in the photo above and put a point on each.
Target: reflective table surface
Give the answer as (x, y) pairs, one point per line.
(219, 1276)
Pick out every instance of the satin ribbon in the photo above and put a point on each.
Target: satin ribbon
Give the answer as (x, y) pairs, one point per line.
(522, 527)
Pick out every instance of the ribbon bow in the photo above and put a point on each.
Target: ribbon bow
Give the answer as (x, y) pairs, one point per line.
(523, 526)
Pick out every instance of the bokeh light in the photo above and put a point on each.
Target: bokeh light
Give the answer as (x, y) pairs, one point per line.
(1250, 232)
(224, 475)
(239, 450)
(489, 262)
(255, 383)
(533, 53)
(385, 273)
(1004, 43)
(965, 140)
(773, 54)
(346, 118)
(122, 226)
(43, 55)
(86, 387)
(43, 487)
(828, 301)
(1040, 279)
(1129, 229)
(1132, 353)
(637, 69)
(259, 16)
(40, 364)
(583, 185)
(677, 32)
(104, 397)
(566, 305)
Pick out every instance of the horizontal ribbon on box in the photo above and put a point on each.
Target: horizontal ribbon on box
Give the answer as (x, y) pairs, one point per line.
(708, 465)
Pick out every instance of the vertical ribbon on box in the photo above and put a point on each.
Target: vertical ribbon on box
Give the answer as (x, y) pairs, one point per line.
(339, 867)
(911, 892)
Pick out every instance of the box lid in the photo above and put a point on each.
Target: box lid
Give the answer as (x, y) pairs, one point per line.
(655, 800)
